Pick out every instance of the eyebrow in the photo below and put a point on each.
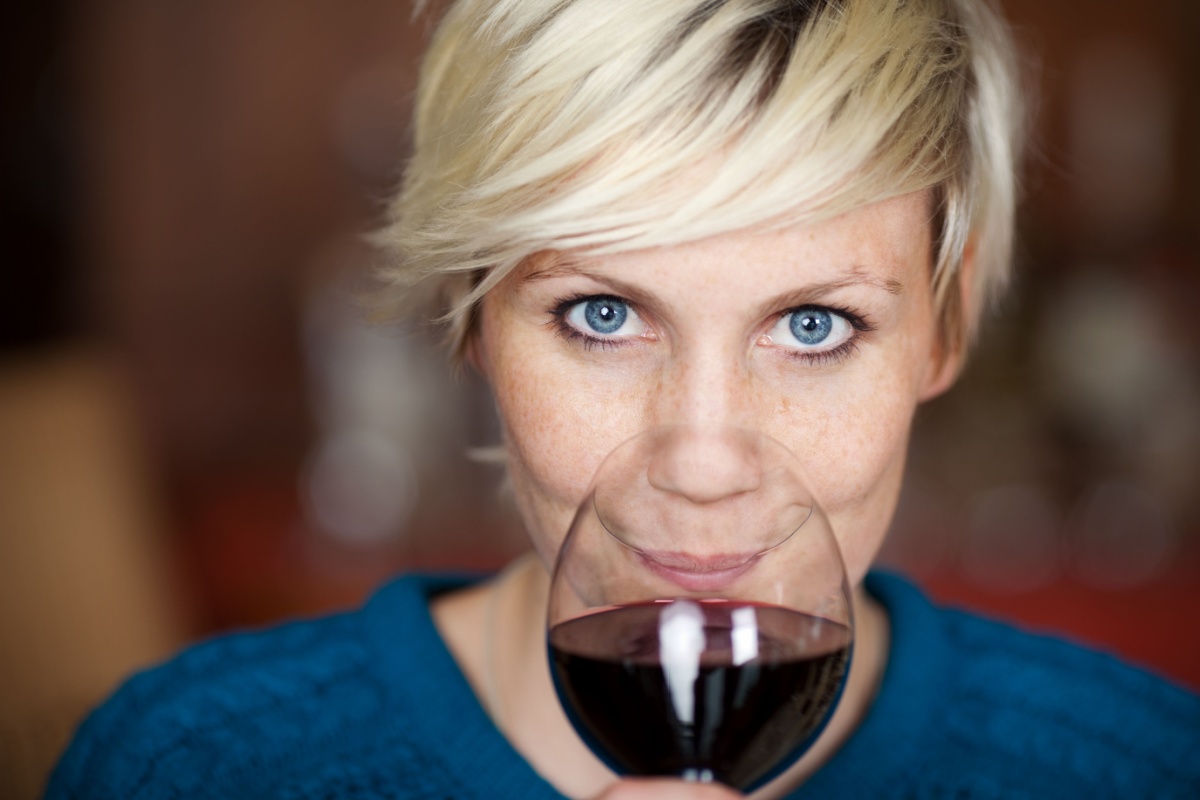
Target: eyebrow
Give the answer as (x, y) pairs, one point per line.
(857, 276)
(558, 265)
(564, 266)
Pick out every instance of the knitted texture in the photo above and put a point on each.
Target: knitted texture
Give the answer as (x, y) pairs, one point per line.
(371, 704)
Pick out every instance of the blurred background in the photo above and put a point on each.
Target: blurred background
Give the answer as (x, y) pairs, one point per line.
(199, 432)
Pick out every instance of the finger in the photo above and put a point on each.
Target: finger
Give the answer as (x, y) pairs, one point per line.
(666, 789)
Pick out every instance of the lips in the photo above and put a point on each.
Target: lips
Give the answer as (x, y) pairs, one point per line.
(695, 573)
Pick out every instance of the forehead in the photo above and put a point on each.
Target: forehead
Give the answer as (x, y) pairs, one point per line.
(884, 245)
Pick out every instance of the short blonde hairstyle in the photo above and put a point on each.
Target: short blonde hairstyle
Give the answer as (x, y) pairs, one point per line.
(614, 125)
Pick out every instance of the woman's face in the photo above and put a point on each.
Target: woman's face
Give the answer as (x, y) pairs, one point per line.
(822, 337)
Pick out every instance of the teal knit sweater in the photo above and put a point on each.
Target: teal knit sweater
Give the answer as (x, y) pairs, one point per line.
(370, 704)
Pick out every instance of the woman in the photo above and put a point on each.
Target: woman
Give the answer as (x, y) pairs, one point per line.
(784, 215)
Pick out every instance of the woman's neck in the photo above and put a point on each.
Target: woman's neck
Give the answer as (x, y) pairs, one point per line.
(496, 632)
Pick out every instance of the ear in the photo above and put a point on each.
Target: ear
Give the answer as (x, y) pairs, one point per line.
(949, 351)
(946, 364)
(470, 351)
(463, 323)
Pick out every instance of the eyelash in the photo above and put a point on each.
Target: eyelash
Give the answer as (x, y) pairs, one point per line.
(825, 358)
(570, 333)
(840, 353)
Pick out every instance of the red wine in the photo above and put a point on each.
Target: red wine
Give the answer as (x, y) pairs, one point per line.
(731, 693)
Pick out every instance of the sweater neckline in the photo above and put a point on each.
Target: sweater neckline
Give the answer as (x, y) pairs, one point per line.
(417, 664)
(884, 747)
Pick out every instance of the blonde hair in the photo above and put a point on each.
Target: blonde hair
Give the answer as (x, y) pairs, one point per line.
(613, 125)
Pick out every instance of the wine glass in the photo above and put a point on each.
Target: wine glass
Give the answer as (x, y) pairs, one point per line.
(699, 621)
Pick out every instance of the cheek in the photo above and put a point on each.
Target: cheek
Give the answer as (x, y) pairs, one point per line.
(856, 470)
(559, 423)
(847, 441)
(851, 433)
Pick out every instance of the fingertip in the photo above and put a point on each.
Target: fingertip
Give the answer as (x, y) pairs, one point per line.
(667, 789)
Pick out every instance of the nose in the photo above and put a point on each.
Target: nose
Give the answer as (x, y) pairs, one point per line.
(706, 464)
(707, 383)
(706, 394)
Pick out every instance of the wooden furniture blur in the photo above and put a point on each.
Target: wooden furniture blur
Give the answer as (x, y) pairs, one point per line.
(85, 595)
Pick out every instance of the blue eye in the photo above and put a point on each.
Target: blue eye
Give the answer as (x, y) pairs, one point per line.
(605, 314)
(603, 317)
(812, 329)
(811, 326)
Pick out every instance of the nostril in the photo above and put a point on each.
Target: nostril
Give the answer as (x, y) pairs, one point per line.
(706, 467)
